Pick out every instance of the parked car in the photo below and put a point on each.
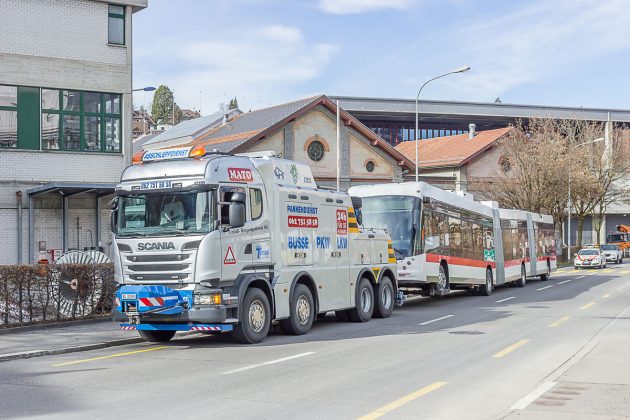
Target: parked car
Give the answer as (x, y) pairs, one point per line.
(589, 257)
(612, 253)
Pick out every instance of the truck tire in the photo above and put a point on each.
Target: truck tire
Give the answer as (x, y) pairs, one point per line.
(160, 336)
(523, 280)
(486, 288)
(255, 318)
(364, 308)
(384, 298)
(301, 313)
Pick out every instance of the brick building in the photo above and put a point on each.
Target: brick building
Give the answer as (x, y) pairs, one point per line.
(65, 121)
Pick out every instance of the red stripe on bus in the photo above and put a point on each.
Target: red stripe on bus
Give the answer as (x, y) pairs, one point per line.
(511, 263)
(436, 258)
(544, 257)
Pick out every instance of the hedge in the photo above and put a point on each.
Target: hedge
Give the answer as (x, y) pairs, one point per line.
(51, 293)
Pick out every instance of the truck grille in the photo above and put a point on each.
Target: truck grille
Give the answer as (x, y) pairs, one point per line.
(159, 268)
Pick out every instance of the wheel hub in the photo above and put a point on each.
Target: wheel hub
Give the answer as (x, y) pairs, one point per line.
(303, 310)
(257, 316)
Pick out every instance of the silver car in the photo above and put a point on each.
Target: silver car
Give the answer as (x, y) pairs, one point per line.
(612, 253)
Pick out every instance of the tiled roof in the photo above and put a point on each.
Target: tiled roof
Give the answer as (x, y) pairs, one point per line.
(246, 126)
(450, 150)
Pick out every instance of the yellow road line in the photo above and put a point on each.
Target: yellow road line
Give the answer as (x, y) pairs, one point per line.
(560, 321)
(625, 272)
(402, 401)
(127, 353)
(608, 270)
(606, 295)
(588, 305)
(511, 348)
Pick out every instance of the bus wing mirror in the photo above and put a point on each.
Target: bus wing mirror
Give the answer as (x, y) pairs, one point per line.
(237, 214)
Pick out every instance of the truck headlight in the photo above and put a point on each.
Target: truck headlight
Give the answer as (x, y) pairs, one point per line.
(209, 299)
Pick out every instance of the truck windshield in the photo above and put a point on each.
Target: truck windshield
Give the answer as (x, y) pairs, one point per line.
(394, 213)
(172, 213)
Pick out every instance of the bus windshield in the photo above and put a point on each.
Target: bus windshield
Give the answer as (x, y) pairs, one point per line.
(618, 237)
(170, 213)
(394, 213)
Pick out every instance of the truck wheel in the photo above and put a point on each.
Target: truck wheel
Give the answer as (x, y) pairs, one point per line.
(301, 313)
(159, 336)
(523, 280)
(255, 319)
(486, 289)
(364, 308)
(384, 296)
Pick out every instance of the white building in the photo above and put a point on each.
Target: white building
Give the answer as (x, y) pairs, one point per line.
(65, 121)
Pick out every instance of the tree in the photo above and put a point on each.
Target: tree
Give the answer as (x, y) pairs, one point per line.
(162, 107)
(233, 103)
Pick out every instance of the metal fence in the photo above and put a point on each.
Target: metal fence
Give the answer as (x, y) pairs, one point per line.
(49, 293)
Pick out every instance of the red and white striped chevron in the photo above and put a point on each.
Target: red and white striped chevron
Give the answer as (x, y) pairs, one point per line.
(200, 328)
(155, 301)
(127, 327)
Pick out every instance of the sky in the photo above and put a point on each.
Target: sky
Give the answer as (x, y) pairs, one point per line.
(264, 52)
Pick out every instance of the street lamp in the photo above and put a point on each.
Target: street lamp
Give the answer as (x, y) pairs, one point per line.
(569, 204)
(146, 89)
(458, 70)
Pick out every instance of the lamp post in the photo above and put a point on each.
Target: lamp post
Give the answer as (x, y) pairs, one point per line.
(458, 70)
(569, 204)
(144, 101)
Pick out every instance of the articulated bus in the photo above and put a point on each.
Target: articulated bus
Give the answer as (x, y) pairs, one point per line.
(443, 240)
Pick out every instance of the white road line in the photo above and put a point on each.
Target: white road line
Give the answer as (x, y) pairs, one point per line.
(566, 281)
(271, 362)
(532, 396)
(576, 278)
(546, 287)
(506, 299)
(436, 319)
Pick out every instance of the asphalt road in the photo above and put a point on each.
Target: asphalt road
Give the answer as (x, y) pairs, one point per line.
(553, 349)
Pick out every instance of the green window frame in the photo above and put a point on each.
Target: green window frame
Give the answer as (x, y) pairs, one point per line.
(6, 113)
(115, 24)
(86, 121)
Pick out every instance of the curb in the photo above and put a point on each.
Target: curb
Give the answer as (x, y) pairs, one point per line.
(86, 347)
(61, 324)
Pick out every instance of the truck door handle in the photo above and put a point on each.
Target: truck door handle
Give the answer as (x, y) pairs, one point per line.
(371, 236)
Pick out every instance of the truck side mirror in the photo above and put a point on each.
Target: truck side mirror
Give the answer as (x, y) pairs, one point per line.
(357, 203)
(237, 210)
(113, 206)
(237, 215)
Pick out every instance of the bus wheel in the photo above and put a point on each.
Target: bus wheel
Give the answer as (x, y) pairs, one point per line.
(364, 308)
(255, 319)
(384, 296)
(302, 312)
(521, 282)
(486, 289)
(159, 336)
(545, 277)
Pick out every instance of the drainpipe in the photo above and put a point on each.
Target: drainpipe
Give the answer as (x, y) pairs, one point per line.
(18, 196)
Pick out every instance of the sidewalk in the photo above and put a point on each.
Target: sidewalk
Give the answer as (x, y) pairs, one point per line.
(68, 338)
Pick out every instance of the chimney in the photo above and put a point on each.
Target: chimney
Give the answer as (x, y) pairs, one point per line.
(225, 119)
(471, 131)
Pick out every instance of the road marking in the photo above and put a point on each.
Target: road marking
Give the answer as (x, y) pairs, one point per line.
(402, 401)
(271, 362)
(606, 295)
(625, 272)
(510, 348)
(577, 278)
(566, 281)
(532, 396)
(560, 321)
(546, 287)
(436, 319)
(608, 270)
(588, 305)
(506, 299)
(127, 353)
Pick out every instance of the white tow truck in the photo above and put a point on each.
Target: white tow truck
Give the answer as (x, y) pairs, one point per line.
(215, 242)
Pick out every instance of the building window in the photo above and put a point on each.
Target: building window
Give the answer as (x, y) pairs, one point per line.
(505, 164)
(80, 121)
(8, 116)
(370, 165)
(315, 151)
(116, 24)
